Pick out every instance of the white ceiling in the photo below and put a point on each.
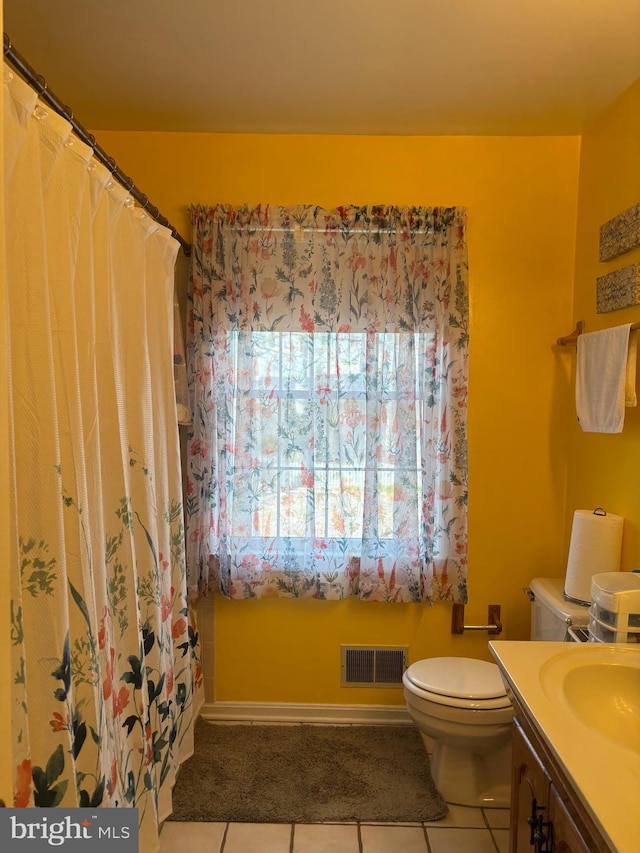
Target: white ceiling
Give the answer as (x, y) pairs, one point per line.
(332, 66)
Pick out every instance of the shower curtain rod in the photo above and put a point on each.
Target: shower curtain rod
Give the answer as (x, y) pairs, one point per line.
(40, 85)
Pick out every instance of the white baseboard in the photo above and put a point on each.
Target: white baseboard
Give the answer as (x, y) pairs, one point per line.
(274, 712)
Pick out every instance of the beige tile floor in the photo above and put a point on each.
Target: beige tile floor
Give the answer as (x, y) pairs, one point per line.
(464, 830)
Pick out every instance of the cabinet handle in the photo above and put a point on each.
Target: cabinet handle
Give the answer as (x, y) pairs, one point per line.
(532, 820)
(537, 839)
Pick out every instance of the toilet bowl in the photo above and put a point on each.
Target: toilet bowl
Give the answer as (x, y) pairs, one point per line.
(461, 709)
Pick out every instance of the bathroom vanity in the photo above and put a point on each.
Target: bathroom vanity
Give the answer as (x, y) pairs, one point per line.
(545, 813)
(576, 746)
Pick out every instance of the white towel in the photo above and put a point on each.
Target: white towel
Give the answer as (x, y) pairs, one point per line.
(605, 378)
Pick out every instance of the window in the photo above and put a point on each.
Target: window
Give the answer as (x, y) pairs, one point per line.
(306, 405)
(328, 448)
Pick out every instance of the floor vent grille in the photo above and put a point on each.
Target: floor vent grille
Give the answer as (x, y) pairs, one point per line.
(377, 666)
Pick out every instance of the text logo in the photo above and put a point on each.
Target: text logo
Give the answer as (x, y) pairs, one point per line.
(74, 830)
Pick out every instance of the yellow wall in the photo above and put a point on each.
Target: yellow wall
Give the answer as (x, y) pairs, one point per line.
(5, 670)
(521, 194)
(604, 470)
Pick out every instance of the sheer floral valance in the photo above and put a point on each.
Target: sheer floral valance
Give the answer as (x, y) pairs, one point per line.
(327, 352)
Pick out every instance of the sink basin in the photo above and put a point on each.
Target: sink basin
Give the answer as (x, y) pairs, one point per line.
(600, 686)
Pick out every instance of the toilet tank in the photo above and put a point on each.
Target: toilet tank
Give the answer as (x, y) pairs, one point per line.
(551, 614)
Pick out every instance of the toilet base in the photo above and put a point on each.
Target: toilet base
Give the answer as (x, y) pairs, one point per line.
(468, 778)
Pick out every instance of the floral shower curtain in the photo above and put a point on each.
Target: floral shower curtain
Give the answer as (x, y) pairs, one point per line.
(105, 655)
(328, 370)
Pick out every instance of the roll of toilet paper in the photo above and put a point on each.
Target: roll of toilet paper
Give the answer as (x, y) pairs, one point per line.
(596, 540)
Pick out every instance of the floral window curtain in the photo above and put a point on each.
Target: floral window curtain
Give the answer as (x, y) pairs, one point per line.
(328, 375)
(105, 654)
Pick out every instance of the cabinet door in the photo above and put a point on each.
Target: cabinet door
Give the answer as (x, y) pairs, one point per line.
(566, 837)
(530, 786)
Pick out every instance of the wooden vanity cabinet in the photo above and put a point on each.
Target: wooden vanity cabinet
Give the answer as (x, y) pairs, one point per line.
(566, 836)
(546, 816)
(530, 789)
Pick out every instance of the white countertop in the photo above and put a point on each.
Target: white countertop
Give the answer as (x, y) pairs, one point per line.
(605, 774)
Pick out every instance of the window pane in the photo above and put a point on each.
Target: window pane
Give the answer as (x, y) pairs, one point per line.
(385, 504)
(350, 435)
(340, 496)
(294, 500)
(265, 516)
(304, 418)
(297, 358)
(295, 432)
(265, 360)
(351, 358)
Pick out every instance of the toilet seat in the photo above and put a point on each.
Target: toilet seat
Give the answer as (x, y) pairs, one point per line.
(458, 683)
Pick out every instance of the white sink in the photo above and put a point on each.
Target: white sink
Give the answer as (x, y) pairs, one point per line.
(584, 701)
(600, 686)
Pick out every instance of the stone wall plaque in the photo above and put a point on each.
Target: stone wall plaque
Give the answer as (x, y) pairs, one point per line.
(618, 289)
(620, 234)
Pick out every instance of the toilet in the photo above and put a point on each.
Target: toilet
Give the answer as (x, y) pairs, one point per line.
(462, 711)
(553, 617)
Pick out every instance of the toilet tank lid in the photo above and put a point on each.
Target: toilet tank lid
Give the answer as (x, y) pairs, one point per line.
(550, 592)
(458, 677)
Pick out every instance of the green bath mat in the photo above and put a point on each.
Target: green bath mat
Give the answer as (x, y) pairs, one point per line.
(306, 773)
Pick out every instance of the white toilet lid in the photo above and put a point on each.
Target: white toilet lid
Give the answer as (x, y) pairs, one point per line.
(460, 678)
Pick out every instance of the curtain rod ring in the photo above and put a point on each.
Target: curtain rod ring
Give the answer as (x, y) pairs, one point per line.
(40, 84)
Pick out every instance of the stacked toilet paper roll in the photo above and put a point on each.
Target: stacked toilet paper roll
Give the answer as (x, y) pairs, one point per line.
(596, 540)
